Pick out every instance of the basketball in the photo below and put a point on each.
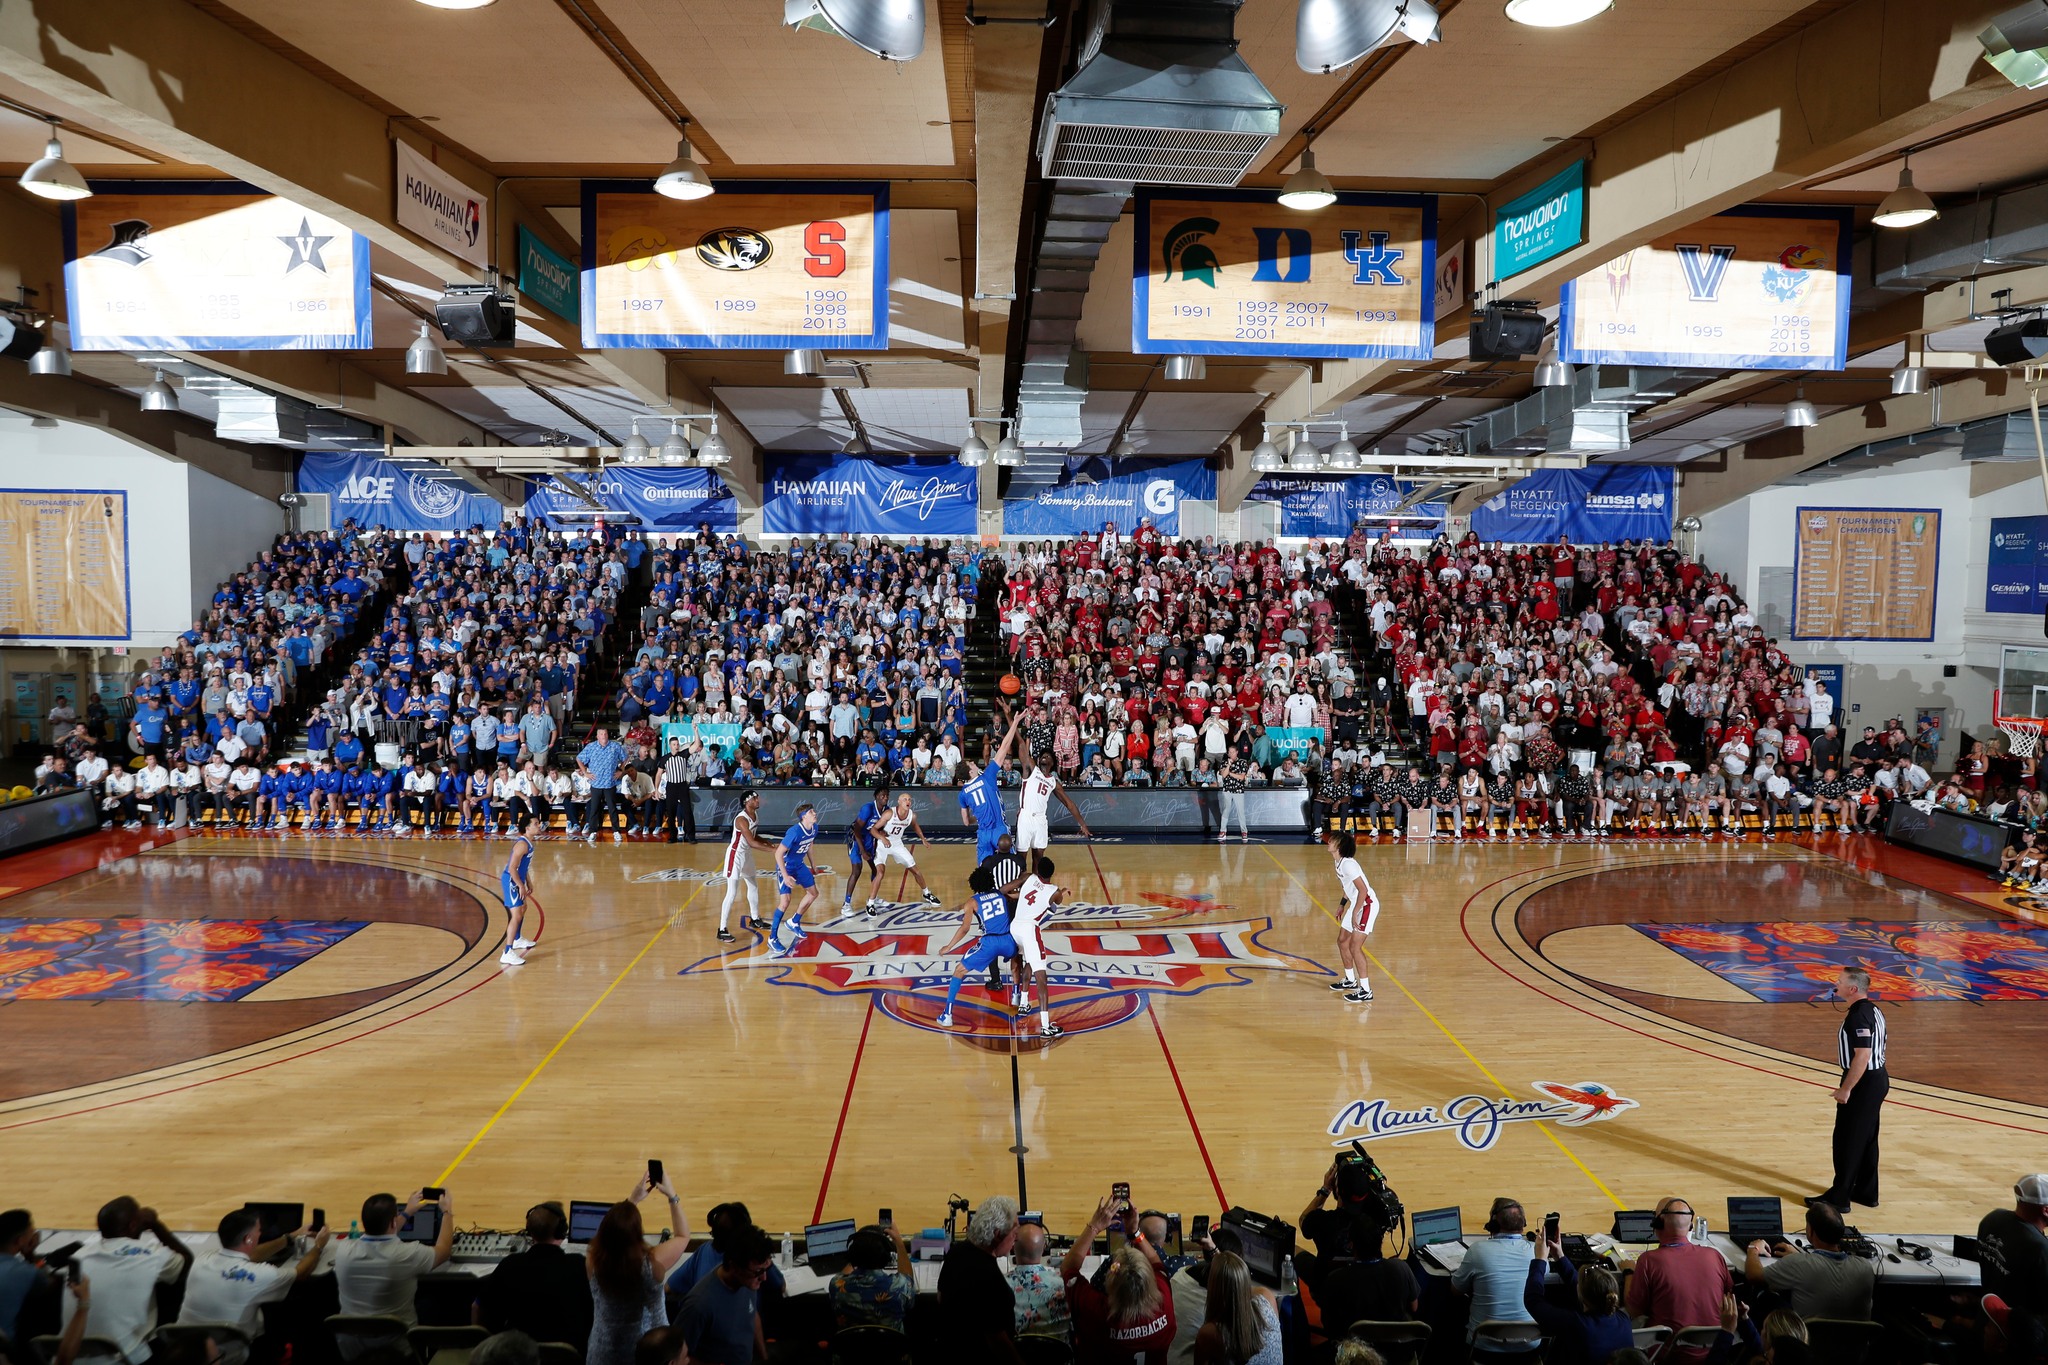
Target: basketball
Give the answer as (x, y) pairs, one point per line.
(1011, 684)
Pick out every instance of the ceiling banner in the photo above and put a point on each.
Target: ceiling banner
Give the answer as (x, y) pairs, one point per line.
(1234, 273)
(1764, 287)
(756, 266)
(211, 266)
(436, 206)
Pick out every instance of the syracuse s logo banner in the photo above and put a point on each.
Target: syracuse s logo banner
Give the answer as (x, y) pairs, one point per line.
(1103, 963)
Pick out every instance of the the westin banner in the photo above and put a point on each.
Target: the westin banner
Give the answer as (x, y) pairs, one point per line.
(809, 495)
(1602, 503)
(1329, 509)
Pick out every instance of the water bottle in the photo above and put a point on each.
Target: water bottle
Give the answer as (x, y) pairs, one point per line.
(788, 1253)
(355, 1229)
(1289, 1286)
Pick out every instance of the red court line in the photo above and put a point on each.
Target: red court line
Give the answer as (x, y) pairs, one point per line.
(1222, 1202)
(818, 1215)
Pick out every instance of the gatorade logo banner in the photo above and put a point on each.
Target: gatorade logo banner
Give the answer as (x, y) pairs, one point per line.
(1143, 493)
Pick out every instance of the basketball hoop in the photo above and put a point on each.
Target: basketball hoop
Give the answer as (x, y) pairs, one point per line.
(2022, 733)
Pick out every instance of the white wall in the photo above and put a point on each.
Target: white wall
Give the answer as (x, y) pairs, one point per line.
(228, 527)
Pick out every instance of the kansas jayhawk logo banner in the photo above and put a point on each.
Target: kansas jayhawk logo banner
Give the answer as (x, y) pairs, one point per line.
(1103, 963)
(757, 266)
(212, 266)
(1234, 273)
(1764, 287)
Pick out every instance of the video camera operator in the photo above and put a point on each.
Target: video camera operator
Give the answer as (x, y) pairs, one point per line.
(1366, 1210)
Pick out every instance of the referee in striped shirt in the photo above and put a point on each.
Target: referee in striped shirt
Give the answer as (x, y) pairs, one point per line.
(1859, 1099)
(1006, 873)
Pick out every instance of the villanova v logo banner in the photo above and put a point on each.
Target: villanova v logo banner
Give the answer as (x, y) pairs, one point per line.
(1764, 287)
(1234, 273)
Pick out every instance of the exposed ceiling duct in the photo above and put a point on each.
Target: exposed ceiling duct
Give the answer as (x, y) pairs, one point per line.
(2010, 437)
(1878, 455)
(1053, 380)
(243, 412)
(1590, 417)
(2005, 232)
(1160, 97)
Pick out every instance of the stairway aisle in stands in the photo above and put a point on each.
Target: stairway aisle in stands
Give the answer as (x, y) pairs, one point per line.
(604, 672)
(984, 661)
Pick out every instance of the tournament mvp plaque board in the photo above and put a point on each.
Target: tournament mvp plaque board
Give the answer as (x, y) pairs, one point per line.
(1757, 288)
(63, 564)
(1234, 273)
(1865, 573)
(757, 266)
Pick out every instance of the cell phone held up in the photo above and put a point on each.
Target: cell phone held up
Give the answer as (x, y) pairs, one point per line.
(1550, 1226)
(431, 1194)
(1200, 1230)
(655, 1173)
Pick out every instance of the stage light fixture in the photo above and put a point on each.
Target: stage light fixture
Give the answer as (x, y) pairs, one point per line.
(891, 29)
(1181, 369)
(2018, 343)
(1265, 457)
(2016, 45)
(1507, 330)
(1907, 206)
(425, 355)
(1330, 34)
(1308, 189)
(1556, 13)
(159, 396)
(53, 177)
(1799, 412)
(804, 363)
(1009, 454)
(683, 178)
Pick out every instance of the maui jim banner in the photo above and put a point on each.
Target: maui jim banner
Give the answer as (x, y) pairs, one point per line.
(2016, 576)
(1328, 509)
(809, 495)
(664, 500)
(1760, 288)
(1146, 493)
(375, 492)
(1234, 273)
(217, 266)
(757, 266)
(1603, 503)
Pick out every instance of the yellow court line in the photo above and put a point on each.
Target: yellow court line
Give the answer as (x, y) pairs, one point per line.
(561, 1042)
(1444, 1029)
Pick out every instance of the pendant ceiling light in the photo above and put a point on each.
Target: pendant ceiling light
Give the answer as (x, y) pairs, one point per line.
(53, 177)
(1908, 205)
(1556, 13)
(1308, 189)
(159, 396)
(683, 178)
(425, 355)
(1800, 413)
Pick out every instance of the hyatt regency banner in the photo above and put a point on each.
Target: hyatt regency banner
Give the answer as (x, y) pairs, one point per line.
(2016, 577)
(1599, 504)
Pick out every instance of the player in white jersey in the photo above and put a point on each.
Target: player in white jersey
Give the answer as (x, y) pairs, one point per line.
(1035, 901)
(1361, 908)
(891, 829)
(738, 867)
(1040, 787)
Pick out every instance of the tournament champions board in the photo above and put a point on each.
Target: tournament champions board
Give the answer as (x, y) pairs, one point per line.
(63, 564)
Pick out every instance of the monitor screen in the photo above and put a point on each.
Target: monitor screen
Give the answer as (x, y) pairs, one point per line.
(584, 1216)
(1633, 1225)
(277, 1219)
(828, 1239)
(424, 1227)
(1434, 1227)
(1754, 1216)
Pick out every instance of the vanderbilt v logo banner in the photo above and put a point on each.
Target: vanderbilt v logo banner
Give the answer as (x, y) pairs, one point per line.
(1763, 287)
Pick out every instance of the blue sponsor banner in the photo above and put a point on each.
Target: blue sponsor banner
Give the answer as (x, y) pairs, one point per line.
(1544, 223)
(376, 492)
(809, 495)
(2016, 574)
(670, 500)
(1151, 492)
(1608, 502)
(1328, 509)
(724, 737)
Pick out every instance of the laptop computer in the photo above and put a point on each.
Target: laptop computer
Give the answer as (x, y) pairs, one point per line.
(825, 1245)
(584, 1216)
(1436, 1227)
(1754, 1217)
(1632, 1227)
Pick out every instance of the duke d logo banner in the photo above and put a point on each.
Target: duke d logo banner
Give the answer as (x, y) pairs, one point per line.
(1761, 288)
(1234, 273)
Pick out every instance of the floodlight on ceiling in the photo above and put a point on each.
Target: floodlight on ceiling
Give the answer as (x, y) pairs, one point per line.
(1265, 457)
(635, 448)
(891, 29)
(676, 449)
(2016, 45)
(1308, 189)
(1182, 369)
(1009, 454)
(457, 4)
(683, 178)
(1123, 449)
(1331, 34)
(425, 355)
(1800, 413)
(158, 396)
(1556, 13)
(1908, 205)
(1303, 457)
(1344, 456)
(714, 451)
(973, 451)
(53, 177)
(804, 363)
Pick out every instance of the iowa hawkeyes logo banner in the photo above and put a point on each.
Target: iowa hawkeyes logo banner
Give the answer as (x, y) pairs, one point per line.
(1234, 273)
(1764, 287)
(757, 266)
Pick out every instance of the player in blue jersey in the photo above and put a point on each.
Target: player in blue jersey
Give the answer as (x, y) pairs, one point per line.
(793, 870)
(515, 884)
(981, 798)
(860, 850)
(993, 910)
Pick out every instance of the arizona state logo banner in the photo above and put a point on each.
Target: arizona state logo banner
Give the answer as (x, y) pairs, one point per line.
(1759, 288)
(757, 266)
(1234, 273)
(213, 266)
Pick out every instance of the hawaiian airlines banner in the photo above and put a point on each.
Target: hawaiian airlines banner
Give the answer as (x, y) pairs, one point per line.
(1601, 503)
(1143, 492)
(376, 492)
(1764, 287)
(2016, 576)
(1328, 509)
(663, 499)
(213, 266)
(808, 495)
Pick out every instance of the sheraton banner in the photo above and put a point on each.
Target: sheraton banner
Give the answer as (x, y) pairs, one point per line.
(1152, 492)
(663, 500)
(212, 266)
(1328, 509)
(808, 495)
(1598, 504)
(375, 492)
(1231, 272)
(1765, 287)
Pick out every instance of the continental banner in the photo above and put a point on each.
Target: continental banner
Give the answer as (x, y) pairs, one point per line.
(757, 266)
(1759, 288)
(63, 564)
(217, 266)
(1865, 573)
(1234, 273)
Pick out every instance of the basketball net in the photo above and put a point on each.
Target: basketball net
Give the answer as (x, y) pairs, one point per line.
(2022, 737)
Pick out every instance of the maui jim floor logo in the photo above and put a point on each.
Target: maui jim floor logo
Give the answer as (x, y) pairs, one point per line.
(713, 874)
(1476, 1120)
(1103, 964)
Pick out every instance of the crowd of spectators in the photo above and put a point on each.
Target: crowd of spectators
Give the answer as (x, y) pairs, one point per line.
(1005, 1291)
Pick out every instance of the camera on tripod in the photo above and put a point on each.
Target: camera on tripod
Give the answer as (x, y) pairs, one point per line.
(1362, 1187)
